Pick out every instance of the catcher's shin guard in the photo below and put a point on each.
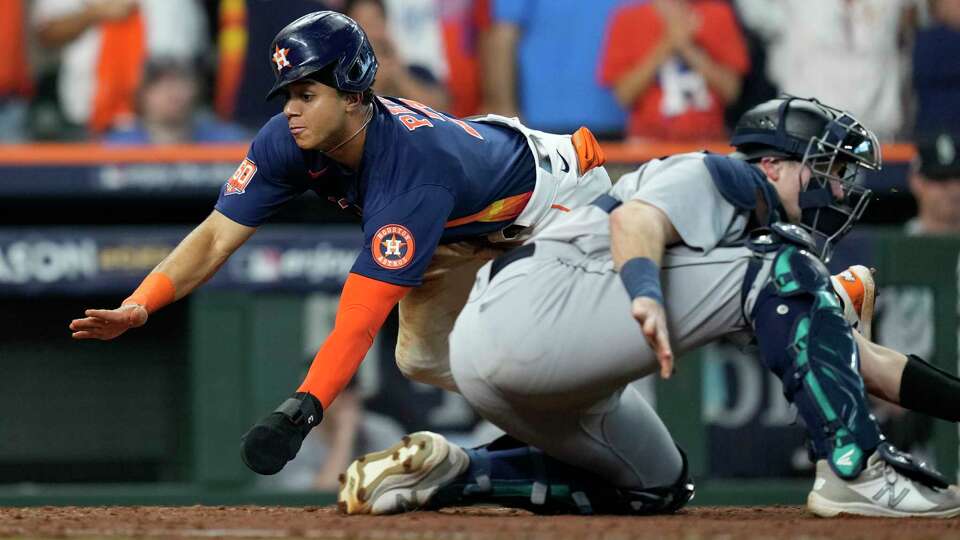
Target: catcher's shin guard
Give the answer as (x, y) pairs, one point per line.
(805, 341)
(524, 477)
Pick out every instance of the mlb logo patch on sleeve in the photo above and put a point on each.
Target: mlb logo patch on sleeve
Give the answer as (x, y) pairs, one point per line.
(392, 246)
(237, 183)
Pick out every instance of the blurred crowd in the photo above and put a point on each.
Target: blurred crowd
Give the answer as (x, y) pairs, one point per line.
(168, 71)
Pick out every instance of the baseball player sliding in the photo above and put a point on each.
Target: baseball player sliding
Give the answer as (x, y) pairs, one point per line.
(439, 196)
(690, 248)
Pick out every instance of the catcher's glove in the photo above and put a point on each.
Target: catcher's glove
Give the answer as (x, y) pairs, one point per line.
(276, 439)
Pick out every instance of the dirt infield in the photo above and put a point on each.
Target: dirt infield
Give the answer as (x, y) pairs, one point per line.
(456, 524)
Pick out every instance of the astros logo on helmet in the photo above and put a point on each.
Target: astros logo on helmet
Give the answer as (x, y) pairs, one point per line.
(280, 58)
(392, 246)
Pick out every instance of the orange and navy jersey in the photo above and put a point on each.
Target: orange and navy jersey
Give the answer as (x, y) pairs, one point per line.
(426, 178)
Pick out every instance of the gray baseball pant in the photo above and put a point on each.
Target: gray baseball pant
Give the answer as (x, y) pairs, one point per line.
(547, 349)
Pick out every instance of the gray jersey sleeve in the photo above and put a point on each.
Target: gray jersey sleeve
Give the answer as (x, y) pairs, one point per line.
(681, 186)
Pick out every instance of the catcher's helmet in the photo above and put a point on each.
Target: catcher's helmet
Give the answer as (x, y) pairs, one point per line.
(320, 40)
(831, 142)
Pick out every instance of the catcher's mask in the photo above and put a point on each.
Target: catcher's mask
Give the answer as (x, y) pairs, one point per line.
(832, 143)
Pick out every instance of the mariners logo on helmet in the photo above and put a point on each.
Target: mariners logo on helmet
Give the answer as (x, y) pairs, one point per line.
(392, 246)
(280, 57)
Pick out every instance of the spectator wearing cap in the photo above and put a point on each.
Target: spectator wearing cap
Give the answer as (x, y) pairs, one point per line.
(936, 69)
(168, 112)
(905, 313)
(935, 183)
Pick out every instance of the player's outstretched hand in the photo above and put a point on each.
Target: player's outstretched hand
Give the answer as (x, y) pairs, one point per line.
(108, 323)
(653, 321)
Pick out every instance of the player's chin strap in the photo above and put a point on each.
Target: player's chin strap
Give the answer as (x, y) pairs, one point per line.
(508, 473)
(355, 133)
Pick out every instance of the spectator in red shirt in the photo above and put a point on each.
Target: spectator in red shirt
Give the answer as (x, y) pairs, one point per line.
(674, 65)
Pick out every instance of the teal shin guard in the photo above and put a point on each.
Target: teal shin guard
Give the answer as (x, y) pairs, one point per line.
(805, 341)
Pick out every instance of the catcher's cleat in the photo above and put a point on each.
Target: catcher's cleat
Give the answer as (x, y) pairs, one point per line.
(882, 490)
(857, 292)
(401, 478)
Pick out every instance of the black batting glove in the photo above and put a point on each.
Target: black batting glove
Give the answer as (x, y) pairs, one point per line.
(276, 439)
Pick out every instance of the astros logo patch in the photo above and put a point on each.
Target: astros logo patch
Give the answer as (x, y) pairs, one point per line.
(280, 58)
(392, 247)
(237, 183)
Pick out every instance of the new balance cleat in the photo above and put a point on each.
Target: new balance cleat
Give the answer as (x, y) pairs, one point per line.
(881, 491)
(401, 478)
(857, 292)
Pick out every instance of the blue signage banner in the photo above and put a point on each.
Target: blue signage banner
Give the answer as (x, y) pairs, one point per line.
(108, 260)
(119, 180)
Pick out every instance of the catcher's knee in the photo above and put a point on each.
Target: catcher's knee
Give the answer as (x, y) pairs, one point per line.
(662, 499)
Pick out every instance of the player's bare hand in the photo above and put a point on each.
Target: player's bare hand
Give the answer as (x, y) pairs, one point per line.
(107, 324)
(653, 322)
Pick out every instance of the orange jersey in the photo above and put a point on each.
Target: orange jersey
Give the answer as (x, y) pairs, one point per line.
(678, 104)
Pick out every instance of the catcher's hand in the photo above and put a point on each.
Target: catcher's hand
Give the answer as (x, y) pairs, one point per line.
(653, 321)
(108, 323)
(276, 439)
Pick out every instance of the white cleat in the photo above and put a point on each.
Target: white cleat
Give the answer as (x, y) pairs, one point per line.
(401, 478)
(879, 491)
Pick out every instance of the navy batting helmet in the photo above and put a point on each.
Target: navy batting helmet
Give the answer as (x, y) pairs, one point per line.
(320, 40)
(831, 142)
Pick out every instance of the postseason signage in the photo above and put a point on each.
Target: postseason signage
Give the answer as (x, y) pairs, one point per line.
(121, 180)
(113, 260)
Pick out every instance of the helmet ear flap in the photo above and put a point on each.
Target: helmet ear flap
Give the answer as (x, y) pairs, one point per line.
(355, 72)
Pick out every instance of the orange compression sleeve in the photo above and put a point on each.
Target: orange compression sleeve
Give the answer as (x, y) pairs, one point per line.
(364, 305)
(154, 292)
